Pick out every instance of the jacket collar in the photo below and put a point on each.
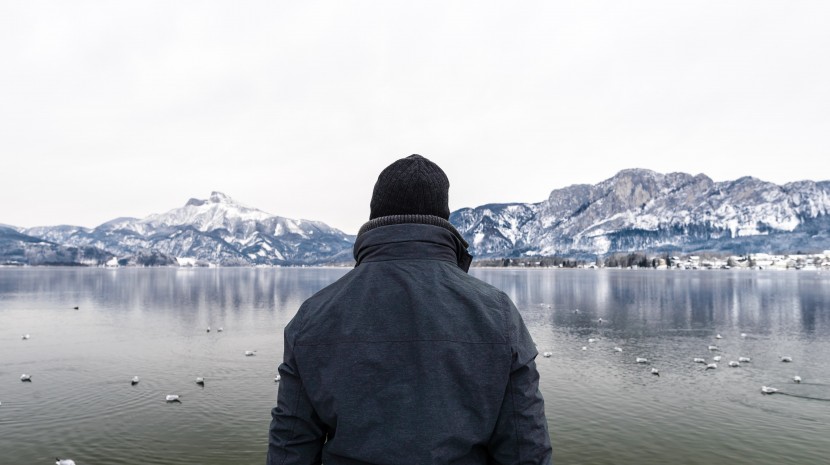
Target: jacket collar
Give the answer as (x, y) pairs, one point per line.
(411, 236)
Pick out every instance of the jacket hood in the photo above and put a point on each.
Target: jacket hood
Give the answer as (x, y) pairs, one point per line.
(411, 236)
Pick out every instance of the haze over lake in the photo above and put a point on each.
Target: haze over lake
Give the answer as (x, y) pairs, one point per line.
(602, 406)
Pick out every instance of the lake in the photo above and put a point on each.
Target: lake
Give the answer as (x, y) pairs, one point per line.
(602, 406)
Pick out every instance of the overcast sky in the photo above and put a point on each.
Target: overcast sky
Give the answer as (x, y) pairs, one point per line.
(114, 109)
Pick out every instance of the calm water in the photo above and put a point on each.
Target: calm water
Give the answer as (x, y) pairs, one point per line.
(602, 407)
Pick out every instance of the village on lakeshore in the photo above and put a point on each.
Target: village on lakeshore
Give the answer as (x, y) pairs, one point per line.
(756, 261)
(631, 261)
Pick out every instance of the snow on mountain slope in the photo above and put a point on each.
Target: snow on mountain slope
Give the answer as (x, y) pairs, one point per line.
(639, 209)
(215, 230)
(635, 210)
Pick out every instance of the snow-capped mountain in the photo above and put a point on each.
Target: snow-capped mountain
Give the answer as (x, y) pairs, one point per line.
(635, 210)
(639, 210)
(216, 230)
(17, 248)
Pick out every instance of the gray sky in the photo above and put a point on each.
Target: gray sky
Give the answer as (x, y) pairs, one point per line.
(130, 108)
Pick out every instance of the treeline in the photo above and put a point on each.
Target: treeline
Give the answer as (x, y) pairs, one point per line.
(621, 260)
(541, 262)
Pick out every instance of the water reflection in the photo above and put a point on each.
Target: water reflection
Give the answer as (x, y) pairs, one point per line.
(649, 302)
(603, 407)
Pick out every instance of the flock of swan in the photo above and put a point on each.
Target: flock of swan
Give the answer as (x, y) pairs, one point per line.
(200, 380)
(176, 398)
(709, 366)
(25, 377)
(169, 398)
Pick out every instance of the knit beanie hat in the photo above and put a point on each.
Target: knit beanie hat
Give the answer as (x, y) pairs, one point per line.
(411, 186)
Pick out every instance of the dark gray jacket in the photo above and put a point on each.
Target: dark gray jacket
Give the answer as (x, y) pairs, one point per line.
(409, 360)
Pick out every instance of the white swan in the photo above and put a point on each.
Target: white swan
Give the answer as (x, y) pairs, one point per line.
(744, 359)
(25, 377)
(584, 348)
(699, 360)
(718, 336)
(743, 334)
(768, 390)
(717, 358)
(734, 364)
(617, 349)
(172, 398)
(277, 378)
(796, 379)
(64, 461)
(134, 381)
(25, 336)
(200, 381)
(655, 371)
(711, 366)
(547, 354)
(249, 353)
(713, 348)
(593, 340)
(786, 358)
(641, 360)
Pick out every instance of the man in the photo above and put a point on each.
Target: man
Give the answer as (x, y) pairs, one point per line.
(407, 359)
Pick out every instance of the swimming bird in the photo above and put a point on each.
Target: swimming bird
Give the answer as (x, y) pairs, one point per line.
(744, 359)
(655, 371)
(200, 381)
(717, 358)
(617, 349)
(786, 358)
(699, 360)
(249, 353)
(172, 398)
(796, 379)
(641, 360)
(134, 381)
(718, 336)
(584, 348)
(711, 366)
(25, 336)
(734, 364)
(64, 461)
(768, 390)
(220, 329)
(277, 379)
(208, 329)
(743, 334)
(547, 354)
(75, 308)
(26, 378)
(713, 348)
(593, 340)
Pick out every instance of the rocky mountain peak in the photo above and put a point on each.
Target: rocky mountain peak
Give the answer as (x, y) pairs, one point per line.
(218, 197)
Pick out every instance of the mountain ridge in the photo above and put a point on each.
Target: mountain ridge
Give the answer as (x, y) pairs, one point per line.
(634, 210)
(639, 209)
(217, 230)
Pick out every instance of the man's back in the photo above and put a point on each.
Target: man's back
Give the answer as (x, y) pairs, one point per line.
(407, 359)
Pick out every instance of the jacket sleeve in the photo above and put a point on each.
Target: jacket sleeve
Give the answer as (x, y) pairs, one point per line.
(296, 434)
(521, 434)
